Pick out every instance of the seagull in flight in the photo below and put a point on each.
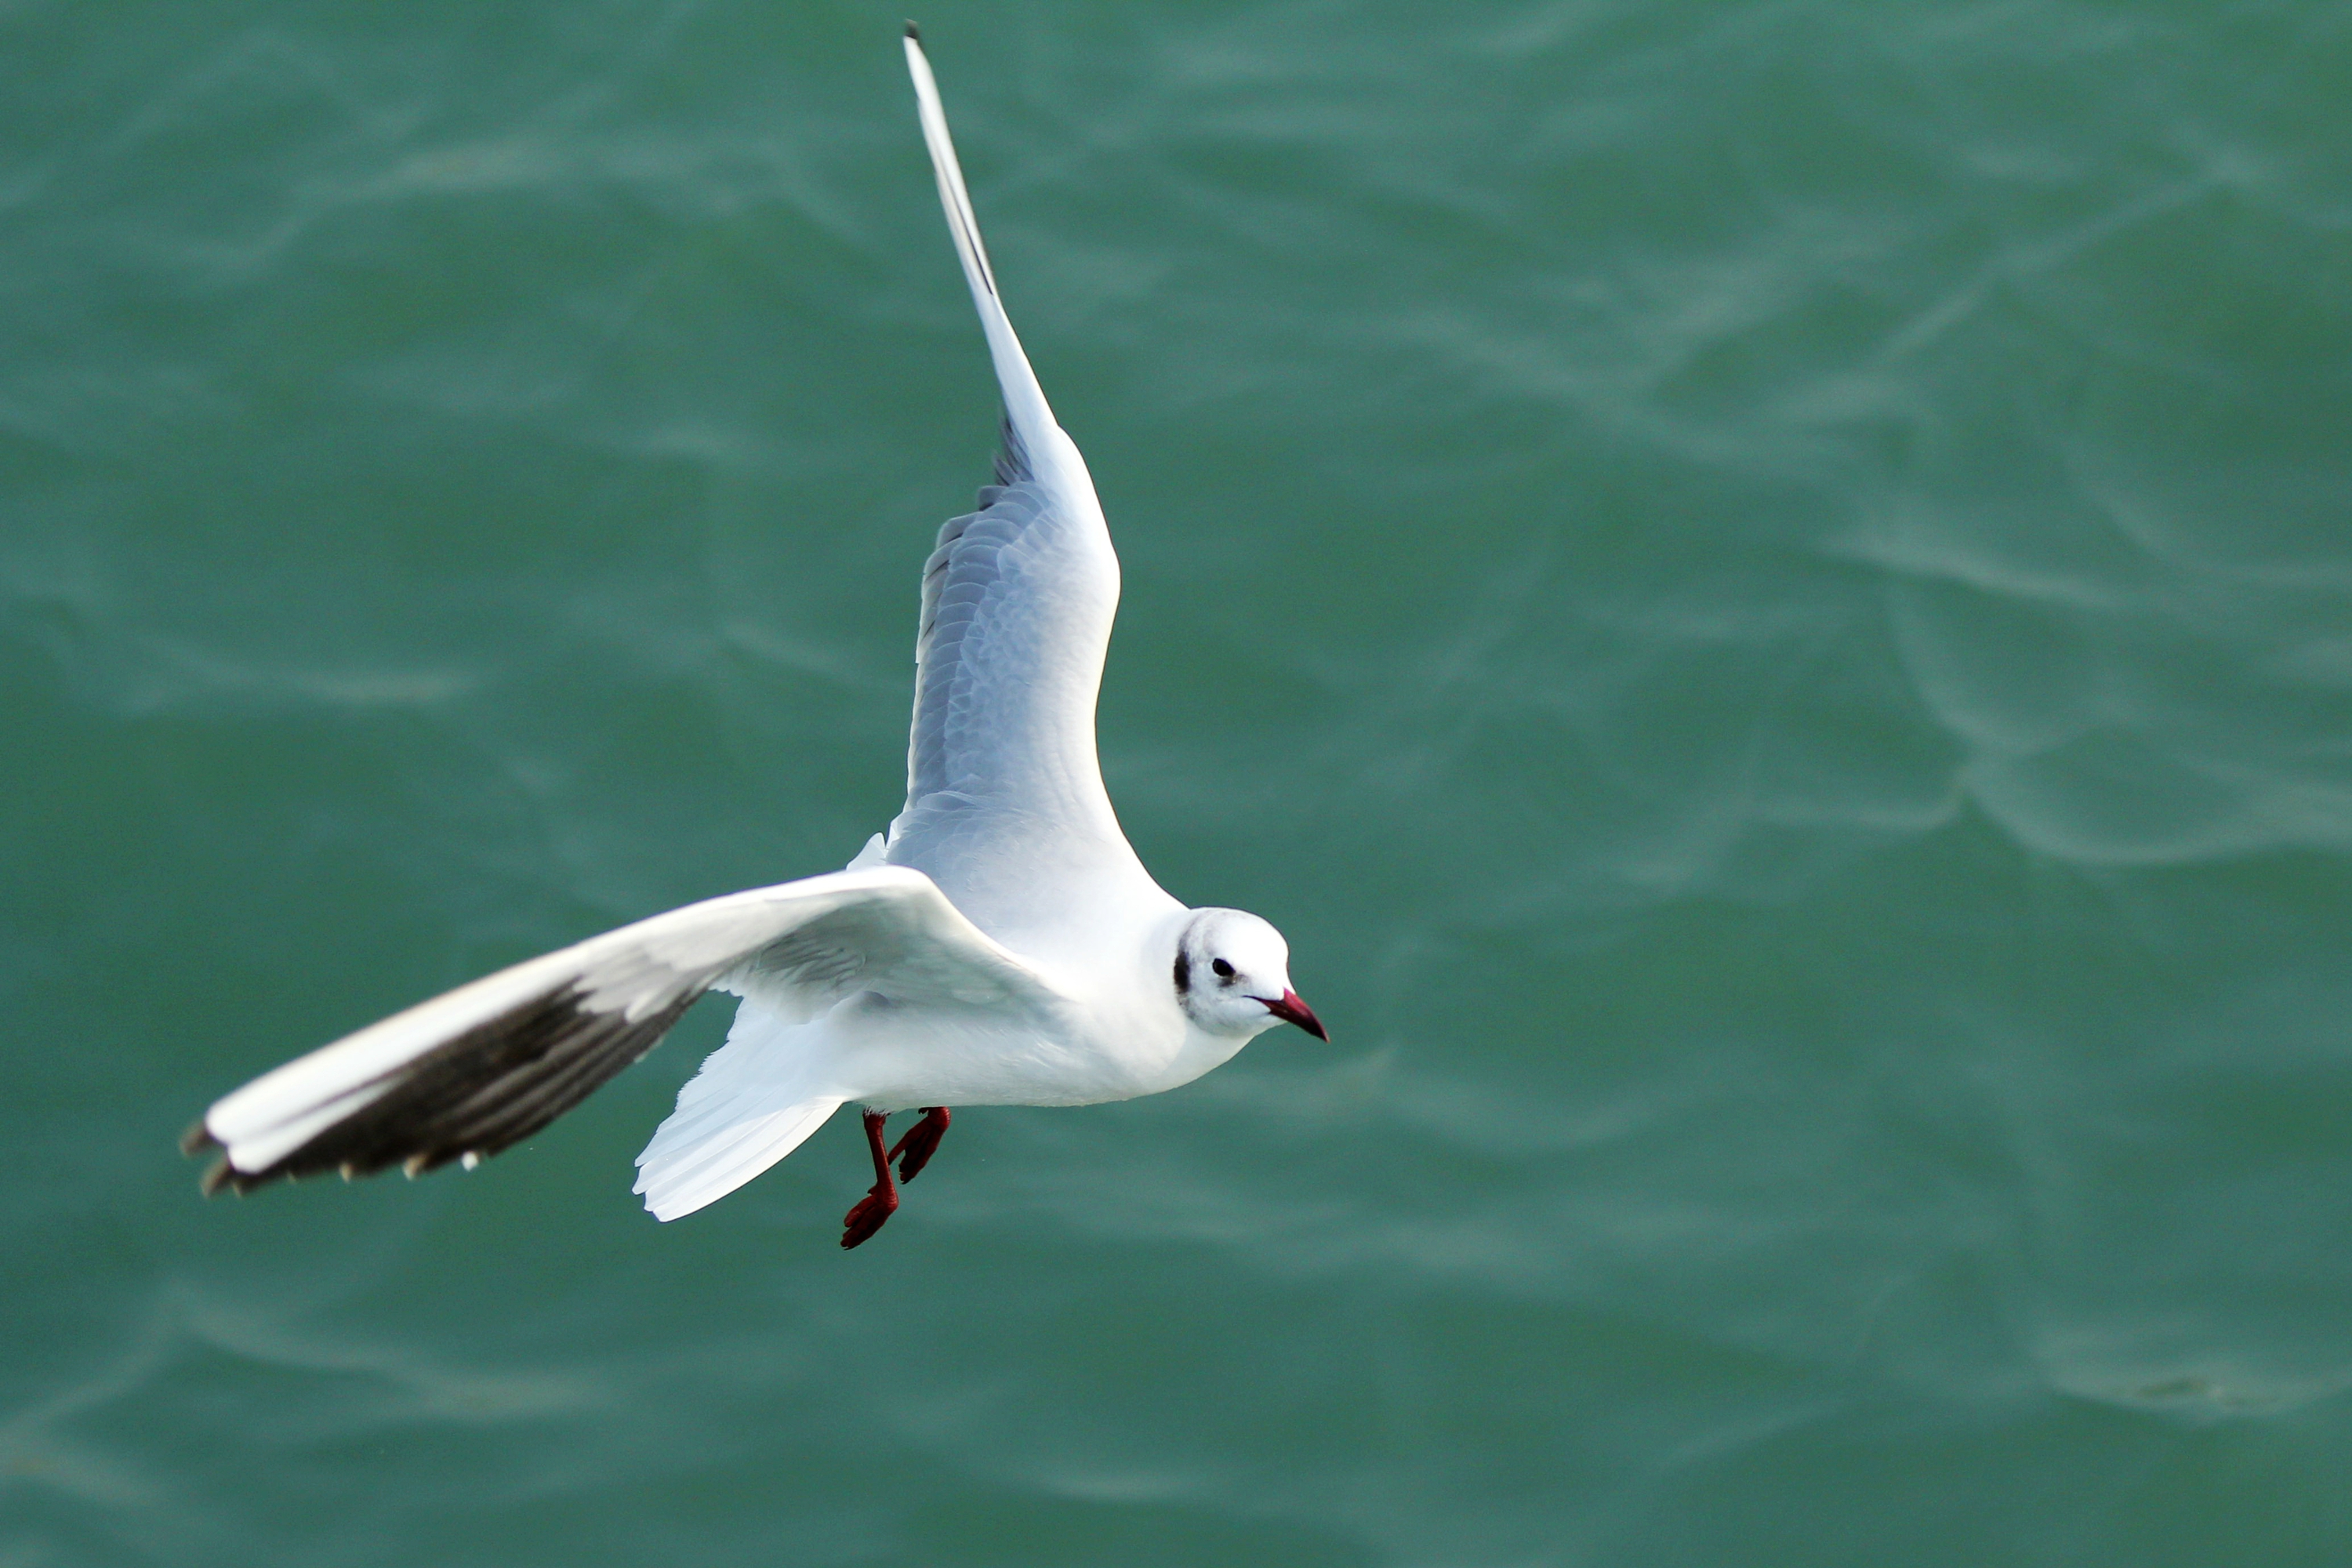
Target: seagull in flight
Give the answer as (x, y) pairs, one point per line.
(1000, 945)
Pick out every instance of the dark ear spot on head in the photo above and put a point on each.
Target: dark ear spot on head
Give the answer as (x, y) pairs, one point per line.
(1184, 971)
(1225, 971)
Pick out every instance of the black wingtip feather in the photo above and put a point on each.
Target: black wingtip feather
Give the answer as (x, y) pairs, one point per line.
(483, 1091)
(1012, 463)
(912, 33)
(197, 1139)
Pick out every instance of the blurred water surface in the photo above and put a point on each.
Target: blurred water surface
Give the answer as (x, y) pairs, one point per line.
(1760, 588)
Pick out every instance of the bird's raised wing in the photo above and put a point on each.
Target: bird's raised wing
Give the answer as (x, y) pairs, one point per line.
(1005, 806)
(487, 1065)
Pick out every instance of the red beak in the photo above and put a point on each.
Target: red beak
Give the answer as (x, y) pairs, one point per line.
(1291, 1010)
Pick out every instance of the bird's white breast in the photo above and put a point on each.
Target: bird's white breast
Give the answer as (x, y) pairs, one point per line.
(1118, 1033)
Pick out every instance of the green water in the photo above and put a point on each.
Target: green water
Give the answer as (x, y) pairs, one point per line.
(1760, 588)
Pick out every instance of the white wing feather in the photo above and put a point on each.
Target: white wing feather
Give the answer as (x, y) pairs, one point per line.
(1005, 805)
(472, 1071)
(1024, 400)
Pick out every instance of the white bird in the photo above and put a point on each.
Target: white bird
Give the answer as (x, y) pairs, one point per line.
(1001, 945)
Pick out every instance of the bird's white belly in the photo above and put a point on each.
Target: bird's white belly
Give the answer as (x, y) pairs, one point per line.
(894, 1061)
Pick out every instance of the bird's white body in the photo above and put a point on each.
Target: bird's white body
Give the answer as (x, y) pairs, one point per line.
(1000, 945)
(1102, 1024)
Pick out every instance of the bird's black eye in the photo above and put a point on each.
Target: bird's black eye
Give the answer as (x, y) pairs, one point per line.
(1225, 971)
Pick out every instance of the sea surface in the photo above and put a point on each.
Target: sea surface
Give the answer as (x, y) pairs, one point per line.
(1763, 589)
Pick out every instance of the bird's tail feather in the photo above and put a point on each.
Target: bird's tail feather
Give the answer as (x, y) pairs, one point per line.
(747, 1109)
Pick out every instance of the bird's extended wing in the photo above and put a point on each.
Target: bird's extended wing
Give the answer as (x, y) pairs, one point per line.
(1005, 806)
(482, 1068)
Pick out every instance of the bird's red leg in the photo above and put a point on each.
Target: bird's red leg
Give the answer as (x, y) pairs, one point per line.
(879, 1203)
(920, 1142)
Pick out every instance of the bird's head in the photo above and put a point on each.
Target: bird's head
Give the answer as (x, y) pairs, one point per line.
(1233, 976)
